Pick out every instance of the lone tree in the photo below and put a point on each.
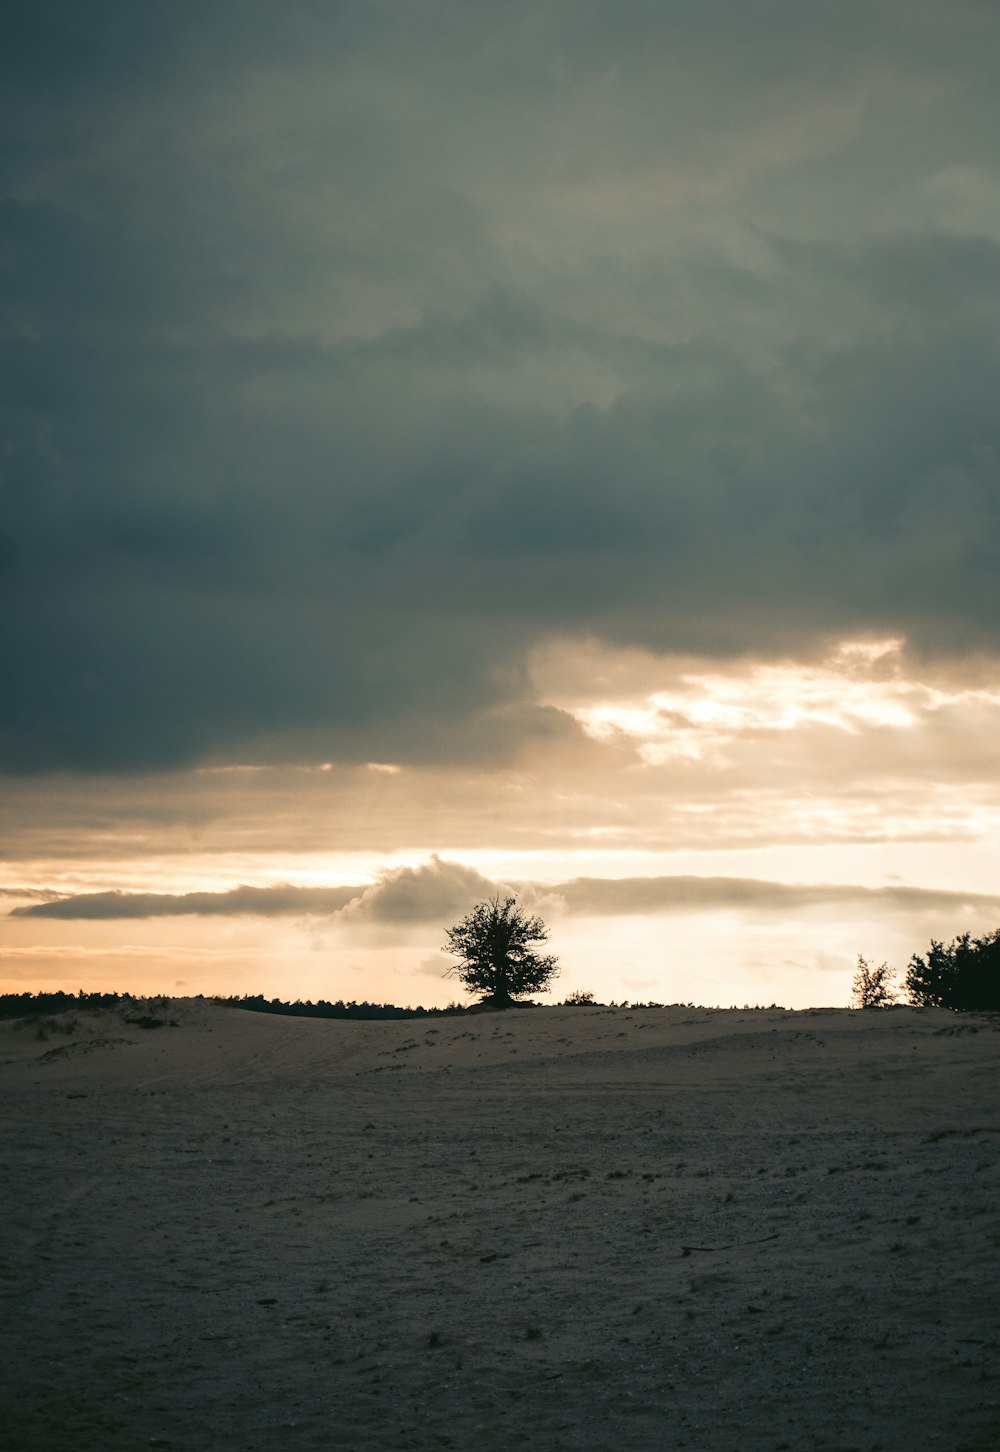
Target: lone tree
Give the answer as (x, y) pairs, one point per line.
(493, 945)
(964, 976)
(873, 987)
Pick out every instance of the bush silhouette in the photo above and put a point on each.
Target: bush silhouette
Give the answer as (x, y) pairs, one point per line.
(872, 987)
(964, 976)
(496, 959)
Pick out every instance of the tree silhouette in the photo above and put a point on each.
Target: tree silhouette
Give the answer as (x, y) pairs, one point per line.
(964, 976)
(873, 987)
(496, 958)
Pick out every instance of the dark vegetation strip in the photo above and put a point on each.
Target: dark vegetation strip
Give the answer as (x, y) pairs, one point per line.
(323, 1008)
(23, 1005)
(20, 1005)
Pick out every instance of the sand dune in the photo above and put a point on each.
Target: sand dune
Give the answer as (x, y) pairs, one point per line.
(563, 1228)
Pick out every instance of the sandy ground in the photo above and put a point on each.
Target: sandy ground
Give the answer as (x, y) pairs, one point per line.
(558, 1228)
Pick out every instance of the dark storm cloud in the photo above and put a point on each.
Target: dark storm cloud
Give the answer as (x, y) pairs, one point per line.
(439, 889)
(350, 351)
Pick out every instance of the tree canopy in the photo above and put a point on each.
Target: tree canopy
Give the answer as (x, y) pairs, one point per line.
(494, 945)
(965, 975)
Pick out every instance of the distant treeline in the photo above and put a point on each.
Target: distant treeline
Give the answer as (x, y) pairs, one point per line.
(323, 1008)
(19, 1005)
(257, 1003)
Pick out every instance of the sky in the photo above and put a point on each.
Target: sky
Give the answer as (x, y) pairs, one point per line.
(451, 448)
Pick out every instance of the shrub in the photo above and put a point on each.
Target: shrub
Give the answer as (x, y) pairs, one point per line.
(873, 987)
(964, 976)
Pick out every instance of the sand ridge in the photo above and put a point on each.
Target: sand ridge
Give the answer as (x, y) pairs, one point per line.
(567, 1228)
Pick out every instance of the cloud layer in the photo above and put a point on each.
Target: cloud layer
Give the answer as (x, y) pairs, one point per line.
(439, 890)
(237, 902)
(349, 355)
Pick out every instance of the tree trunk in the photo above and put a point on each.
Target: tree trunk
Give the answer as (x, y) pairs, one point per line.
(500, 996)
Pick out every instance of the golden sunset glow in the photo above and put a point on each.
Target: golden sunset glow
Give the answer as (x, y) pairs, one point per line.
(852, 771)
